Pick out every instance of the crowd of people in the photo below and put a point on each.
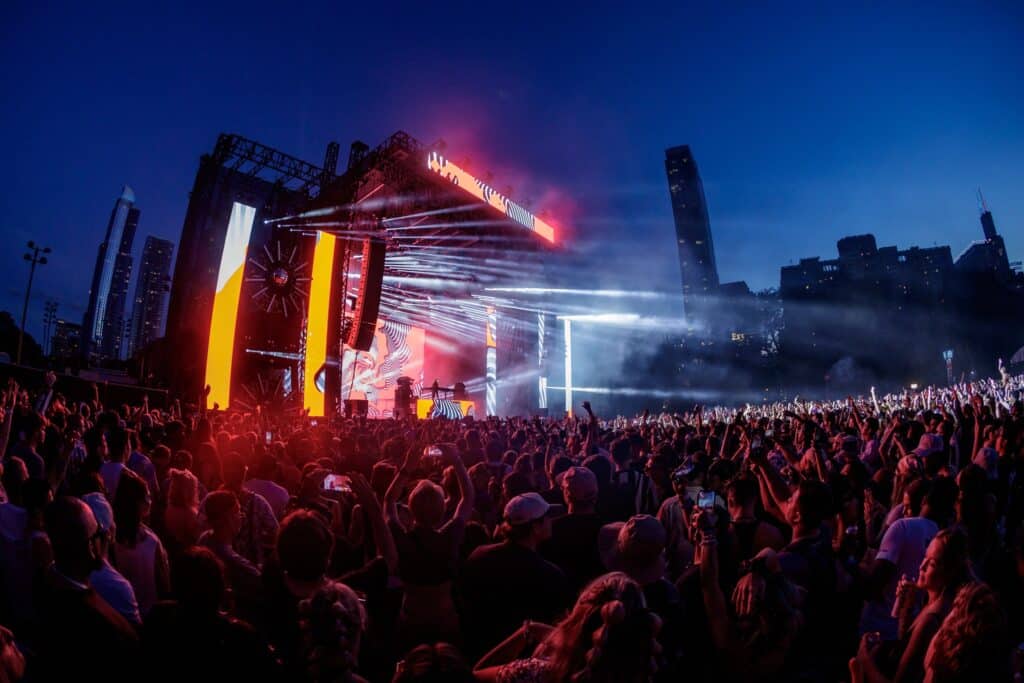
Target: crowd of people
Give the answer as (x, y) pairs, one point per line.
(872, 539)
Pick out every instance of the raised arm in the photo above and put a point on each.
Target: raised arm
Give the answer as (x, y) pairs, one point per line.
(773, 483)
(381, 533)
(588, 443)
(711, 589)
(10, 402)
(412, 459)
(464, 510)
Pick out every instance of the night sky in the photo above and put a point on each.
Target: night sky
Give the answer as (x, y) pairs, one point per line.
(807, 123)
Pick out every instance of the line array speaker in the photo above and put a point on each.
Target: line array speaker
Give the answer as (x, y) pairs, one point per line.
(371, 280)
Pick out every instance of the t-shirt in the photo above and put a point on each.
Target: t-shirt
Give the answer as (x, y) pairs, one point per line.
(505, 584)
(904, 544)
(573, 547)
(86, 639)
(274, 493)
(117, 591)
(143, 466)
(111, 474)
(240, 572)
(428, 557)
(139, 563)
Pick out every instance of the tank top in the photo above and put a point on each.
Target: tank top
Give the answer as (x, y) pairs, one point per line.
(138, 565)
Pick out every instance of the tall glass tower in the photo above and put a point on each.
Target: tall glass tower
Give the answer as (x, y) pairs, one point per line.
(151, 291)
(104, 325)
(693, 230)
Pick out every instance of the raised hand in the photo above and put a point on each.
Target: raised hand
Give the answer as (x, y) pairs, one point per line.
(906, 592)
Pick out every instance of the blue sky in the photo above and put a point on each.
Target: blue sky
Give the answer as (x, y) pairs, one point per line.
(808, 122)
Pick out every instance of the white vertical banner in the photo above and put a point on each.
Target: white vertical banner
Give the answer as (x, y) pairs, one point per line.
(542, 381)
(568, 366)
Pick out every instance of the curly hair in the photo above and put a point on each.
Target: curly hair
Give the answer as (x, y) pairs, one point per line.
(608, 636)
(971, 643)
(332, 622)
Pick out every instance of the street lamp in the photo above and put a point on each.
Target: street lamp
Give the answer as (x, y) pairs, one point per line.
(947, 356)
(49, 318)
(35, 259)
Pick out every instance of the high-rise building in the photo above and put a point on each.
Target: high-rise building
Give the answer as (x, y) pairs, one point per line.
(693, 230)
(873, 314)
(67, 341)
(151, 290)
(988, 255)
(103, 328)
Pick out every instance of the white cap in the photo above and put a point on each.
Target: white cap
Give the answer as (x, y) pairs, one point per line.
(528, 507)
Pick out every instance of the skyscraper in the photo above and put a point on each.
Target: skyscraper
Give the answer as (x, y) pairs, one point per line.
(67, 342)
(103, 328)
(151, 290)
(693, 230)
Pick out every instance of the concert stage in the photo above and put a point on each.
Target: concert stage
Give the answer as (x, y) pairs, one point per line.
(301, 288)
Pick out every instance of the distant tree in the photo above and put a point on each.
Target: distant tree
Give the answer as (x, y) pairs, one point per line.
(31, 353)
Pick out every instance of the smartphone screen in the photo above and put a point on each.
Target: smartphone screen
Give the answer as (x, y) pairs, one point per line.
(337, 482)
(268, 437)
(706, 500)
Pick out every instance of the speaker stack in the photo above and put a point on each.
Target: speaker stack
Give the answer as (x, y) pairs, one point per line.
(371, 274)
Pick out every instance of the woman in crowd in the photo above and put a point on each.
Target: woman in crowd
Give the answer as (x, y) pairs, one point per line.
(138, 554)
(944, 571)
(181, 517)
(333, 621)
(609, 636)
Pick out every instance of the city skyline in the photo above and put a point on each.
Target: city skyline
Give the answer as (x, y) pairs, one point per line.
(152, 285)
(821, 136)
(694, 239)
(104, 321)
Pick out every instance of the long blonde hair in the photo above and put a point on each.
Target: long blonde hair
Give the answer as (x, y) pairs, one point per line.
(608, 636)
(971, 643)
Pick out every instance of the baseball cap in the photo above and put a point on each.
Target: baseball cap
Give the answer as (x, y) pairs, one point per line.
(101, 510)
(638, 543)
(526, 508)
(579, 484)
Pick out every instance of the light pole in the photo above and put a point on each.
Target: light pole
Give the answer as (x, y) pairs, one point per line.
(35, 259)
(49, 318)
(947, 356)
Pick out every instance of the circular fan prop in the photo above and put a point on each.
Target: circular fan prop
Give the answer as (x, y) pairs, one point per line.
(280, 282)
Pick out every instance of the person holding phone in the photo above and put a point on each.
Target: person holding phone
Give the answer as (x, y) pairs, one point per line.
(428, 549)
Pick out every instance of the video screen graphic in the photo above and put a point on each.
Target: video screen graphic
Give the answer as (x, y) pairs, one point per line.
(397, 351)
(317, 323)
(224, 320)
(445, 408)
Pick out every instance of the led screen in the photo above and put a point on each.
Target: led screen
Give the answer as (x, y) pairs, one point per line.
(317, 323)
(225, 305)
(397, 351)
(484, 192)
(444, 408)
